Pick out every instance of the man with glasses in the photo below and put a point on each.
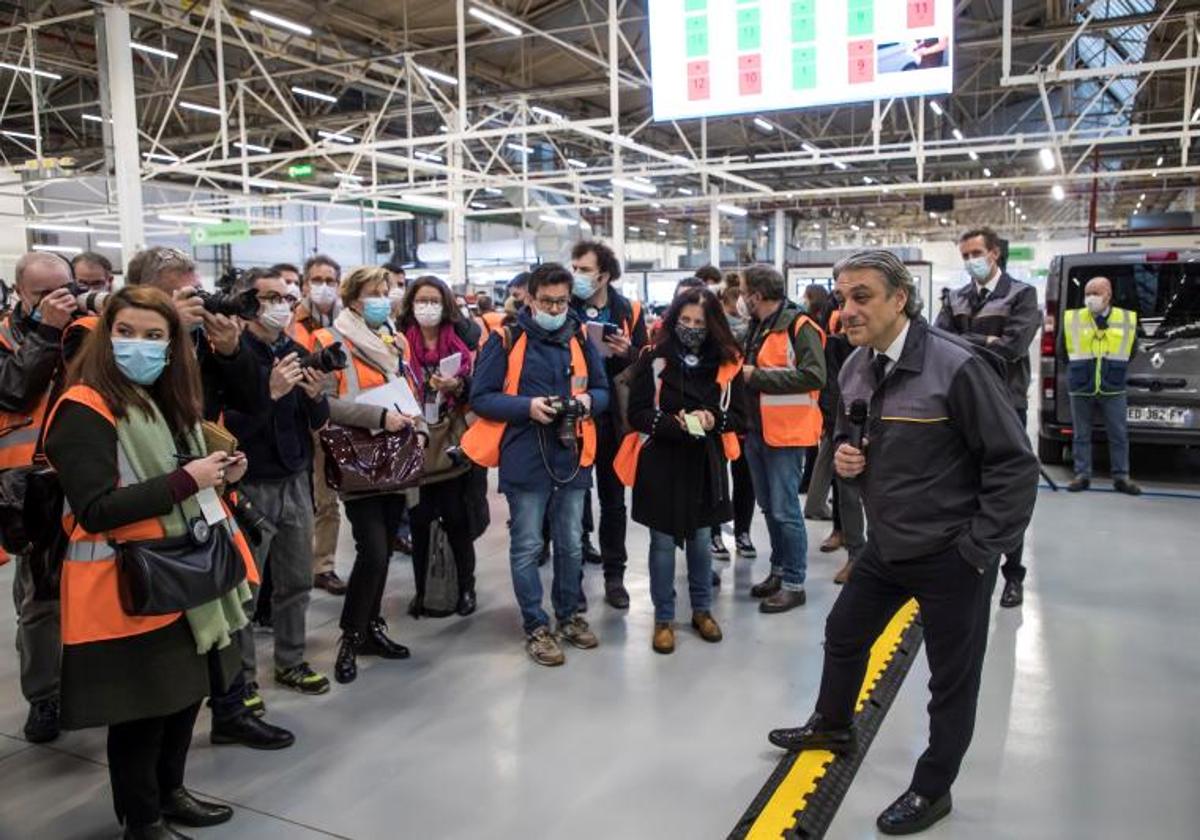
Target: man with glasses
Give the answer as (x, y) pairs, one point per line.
(92, 271)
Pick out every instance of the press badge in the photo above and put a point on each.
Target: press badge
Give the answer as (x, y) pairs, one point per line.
(210, 506)
(579, 383)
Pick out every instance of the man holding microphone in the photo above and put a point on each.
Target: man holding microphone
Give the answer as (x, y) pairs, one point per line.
(949, 483)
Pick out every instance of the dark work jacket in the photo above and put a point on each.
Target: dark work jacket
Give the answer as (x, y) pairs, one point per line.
(277, 439)
(27, 371)
(620, 312)
(948, 463)
(1010, 314)
(682, 482)
(230, 382)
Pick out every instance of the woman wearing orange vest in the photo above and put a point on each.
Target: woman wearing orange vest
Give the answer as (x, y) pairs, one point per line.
(132, 409)
(686, 406)
(377, 357)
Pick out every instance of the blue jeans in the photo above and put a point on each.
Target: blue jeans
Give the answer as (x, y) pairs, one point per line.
(1113, 409)
(776, 472)
(526, 510)
(662, 572)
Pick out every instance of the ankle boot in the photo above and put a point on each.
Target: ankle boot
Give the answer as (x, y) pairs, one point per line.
(345, 668)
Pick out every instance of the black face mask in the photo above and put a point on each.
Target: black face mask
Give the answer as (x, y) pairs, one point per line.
(692, 338)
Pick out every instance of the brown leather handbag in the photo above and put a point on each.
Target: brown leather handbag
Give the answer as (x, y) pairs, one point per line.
(359, 461)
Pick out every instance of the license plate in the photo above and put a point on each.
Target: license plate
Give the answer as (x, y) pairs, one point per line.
(1154, 415)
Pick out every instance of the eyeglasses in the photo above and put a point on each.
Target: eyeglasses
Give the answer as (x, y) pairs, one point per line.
(552, 303)
(274, 297)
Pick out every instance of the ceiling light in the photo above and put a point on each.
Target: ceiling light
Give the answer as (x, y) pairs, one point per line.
(935, 107)
(973, 155)
(870, 224)
(1047, 158)
(633, 229)
(1012, 203)
(1154, 174)
(493, 20)
(337, 138)
(547, 113)
(636, 186)
(356, 234)
(282, 23)
(1058, 192)
(251, 147)
(1141, 198)
(436, 75)
(203, 109)
(108, 243)
(933, 215)
(656, 205)
(19, 135)
(478, 205)
(347, 176)
(855, 228)
(840, 165)
(642, 179)
(733, 210)
(1159, 162)
(493, 191)
(45, 74)
(431, 201)
(59, 249)
(577, 164)
(685, 191)
(816, 225)
(987, 173)
(429, 156)
(766, 228)
(681, 160)
(663, 221)
(763, 124)
(189, 219)
(1196, 115)
(160, 156)
(958, 135)
(691, 227)
(93, 117)
(591, 208)
(809, 147)
(146, 48)
(57, 228)
(313, 94)
(520, 148)
(867, 179)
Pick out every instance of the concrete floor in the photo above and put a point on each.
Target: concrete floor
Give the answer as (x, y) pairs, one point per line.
(1087, 726)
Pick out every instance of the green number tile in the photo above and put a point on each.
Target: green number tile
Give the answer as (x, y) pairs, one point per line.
(749, 29)
(803, 8)
(697, 36)
(804, 29)
(695, 5)
(862, 20)
(804, 68)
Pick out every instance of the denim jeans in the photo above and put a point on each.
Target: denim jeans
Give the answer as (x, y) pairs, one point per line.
(527, 510)
(1113, 409)
(777, 471)
(662, 572)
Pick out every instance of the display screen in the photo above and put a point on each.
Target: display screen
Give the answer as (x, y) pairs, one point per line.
(714, 57)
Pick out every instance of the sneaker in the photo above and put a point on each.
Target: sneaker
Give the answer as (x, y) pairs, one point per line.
(252, 701)
(543, 648)
(303, 679)
(745, 548)
(575, 631)
(42, 725)
(718, 549)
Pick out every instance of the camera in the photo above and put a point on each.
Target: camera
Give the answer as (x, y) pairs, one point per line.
(327, 360)
(569, 412)
(87, 300)
(247, 516)
(242, 305)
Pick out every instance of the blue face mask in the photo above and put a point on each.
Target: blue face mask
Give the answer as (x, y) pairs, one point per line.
(37, 315)
(548, 322)
(583, 286)
(140, 360)
(376, 311)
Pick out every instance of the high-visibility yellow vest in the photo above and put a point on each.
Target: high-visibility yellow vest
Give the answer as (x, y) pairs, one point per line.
(1102, 353)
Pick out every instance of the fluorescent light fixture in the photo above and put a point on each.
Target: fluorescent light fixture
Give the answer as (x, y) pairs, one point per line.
(17, 68)
(935, 107)
(59, 249)
(763, 124)
(576, 164)
(973, 155)
(656, 205)
(867, 179)
(251, 147)
(313, 94)
(146, 48)
(958, 135)
(203, 109)
(870, 224)
(93, 117)
(493, 191)
(987, 173)
(1196, 115)
(19, 135)
(1141, 198)
(642, 179)
(436, 75)
(633, 229)
(855, 228)
(160, 156)
(429, 156)
(547, 113)
(635, 186)
(444, 129)
(733, 210)
(680, 159)
(663, 221)
(662, 233)
(57, 228)
(329, 231)
(1012, 203)
(478, 205)
(520, 148)
(1047, 158)
(1159, 162)
(492, 20)
(336, 138)
(692, 227)
(685, 191)
(189, 219)
(421, 200)
(1058, 192)
(840, 165)
(562, 221)
(592, 208)
(282, 23)
(348, 176)
(108, 243)
(809, 147)
(817, 225)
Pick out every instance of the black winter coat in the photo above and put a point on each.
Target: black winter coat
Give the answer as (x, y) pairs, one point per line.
(682, 482)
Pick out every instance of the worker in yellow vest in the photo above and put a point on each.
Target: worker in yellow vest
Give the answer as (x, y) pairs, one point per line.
(1100, 340)
(784, 374)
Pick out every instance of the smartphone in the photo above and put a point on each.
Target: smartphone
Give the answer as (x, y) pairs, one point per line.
(611, 329)
(695, 429)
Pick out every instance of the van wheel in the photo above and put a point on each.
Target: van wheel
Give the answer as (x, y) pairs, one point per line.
(1051, 452)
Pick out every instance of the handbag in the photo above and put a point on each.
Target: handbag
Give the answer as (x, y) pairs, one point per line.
(160, 577)
(359, 461)
(441, 575)
(443, 458)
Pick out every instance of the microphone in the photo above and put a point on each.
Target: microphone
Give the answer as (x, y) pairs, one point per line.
(858, 422)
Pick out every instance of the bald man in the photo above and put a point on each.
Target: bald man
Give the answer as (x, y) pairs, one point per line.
(1100, 339)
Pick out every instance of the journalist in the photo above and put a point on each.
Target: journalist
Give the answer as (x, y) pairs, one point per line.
(93, 272)
(537, 387)
(949, 483)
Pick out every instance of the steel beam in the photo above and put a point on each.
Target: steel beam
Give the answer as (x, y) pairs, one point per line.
(127, 182)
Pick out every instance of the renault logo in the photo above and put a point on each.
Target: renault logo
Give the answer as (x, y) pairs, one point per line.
(1158, 360)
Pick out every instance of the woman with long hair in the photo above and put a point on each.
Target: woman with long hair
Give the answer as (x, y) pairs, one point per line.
(126, 441)
(427, 321)
(685, 405)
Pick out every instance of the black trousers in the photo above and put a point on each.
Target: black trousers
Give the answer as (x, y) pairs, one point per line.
(373, 522)
(743, 497)
(1013, 568)
(445, 500)
(955, 602)
(611, 493)
(146, 761)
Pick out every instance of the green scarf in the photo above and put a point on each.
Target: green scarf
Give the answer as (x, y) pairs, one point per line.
(146, 442)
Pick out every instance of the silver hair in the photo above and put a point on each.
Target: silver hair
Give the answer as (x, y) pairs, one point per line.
(895, 275)
(32, 258)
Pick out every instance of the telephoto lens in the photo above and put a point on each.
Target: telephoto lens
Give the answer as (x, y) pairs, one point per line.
(326, 360)
(242, 305)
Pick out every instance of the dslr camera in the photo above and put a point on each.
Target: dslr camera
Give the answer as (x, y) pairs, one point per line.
(326, 360)
(232, 304)
(569, 412)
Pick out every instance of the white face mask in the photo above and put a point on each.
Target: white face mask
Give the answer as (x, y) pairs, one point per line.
(396, 295)
(979, 268)
(293, 291)
(427, 314)
(1094, 303)
(276, 316)
(742, 308)
(323, 295)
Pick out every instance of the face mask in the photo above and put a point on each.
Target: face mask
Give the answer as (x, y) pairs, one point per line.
(323, 295)
(979, 268)
(691, 337)
(396, 295)
(1094, 303)
(293, 291)
(428, 314)
(743, 308)
(141, 361)
(276, 316)
(583, 286)
(37, 315)
(376, 311)
(548, 322)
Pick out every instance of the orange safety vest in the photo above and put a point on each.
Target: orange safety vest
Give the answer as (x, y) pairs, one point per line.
(625, 464)
(835, 322)
(91, 601)
(490, 322)
(788, 419)
(482, 440)
(359, 375)
(19, 431)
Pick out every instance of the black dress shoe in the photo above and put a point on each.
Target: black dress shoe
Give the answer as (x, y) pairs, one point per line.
(466, 603)
(912, 813)
(378, 644)
(248, 731)
(768, 587)
(179, 806)
(330, 582)
(1124, 485)
(782, 601)
(345, 666)
(155, 831)
(42, 725)
(814, 735)
(1079, 485)
(616, 594)
(1013, 595)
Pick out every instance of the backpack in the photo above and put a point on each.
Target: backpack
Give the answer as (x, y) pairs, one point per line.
(441, 574)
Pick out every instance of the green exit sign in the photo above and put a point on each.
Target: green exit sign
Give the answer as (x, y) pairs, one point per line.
(226, 233)
(1020, 253)
(298, 171)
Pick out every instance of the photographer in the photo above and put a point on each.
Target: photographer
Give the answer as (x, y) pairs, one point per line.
(93, 272)
(30, 367)
(537, 386)
(278, 441)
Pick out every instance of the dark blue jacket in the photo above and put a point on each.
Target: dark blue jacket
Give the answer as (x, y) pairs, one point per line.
(546, 373)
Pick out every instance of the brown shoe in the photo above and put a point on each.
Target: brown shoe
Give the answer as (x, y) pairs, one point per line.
(330, 582)
(843, 574)
(707, 627)
(664, 637)
(832, 543)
